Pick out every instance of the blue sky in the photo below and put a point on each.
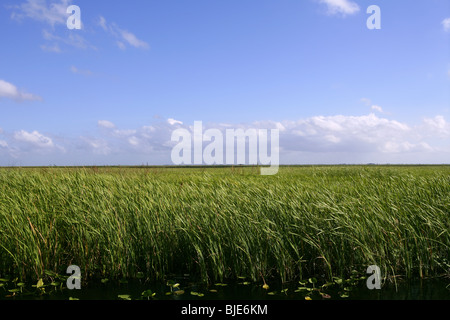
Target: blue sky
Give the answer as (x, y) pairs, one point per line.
(112, 92)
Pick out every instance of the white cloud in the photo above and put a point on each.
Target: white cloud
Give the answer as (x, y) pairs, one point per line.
(344, 7)
(53, 13)
(34, 138)
(373, 107)
(124, 132)
(377, 108)
(106, 124)
(132, 40)
(446, 24)
(318, 139)
(436, 126)
(133, 141)
(102, 23)
(173, 121)
(74, 40)
(149, 128)
(8, 90)
(98, 146)
(399, 147)
(123, 36)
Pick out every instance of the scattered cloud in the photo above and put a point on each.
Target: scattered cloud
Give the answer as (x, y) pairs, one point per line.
(74, 40)
(123, 132)
(53, 13)
(173, 121)
(102, 23)
(51, 48)
(343, 7)
(97, 146)
(446, 24)
(86, 72)
(319, 139)
(106, 124)
(123, 37)
(133, 141)
(34, 138)
(373, 107)
(436, 126)
(8, 90)
(330, 135)
(377, 108)
(132, 40)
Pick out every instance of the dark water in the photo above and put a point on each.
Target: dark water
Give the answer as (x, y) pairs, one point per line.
(436, 289)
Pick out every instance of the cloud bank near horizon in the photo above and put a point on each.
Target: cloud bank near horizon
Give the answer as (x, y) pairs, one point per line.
(314, 140)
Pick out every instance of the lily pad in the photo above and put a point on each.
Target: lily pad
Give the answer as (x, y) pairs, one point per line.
(221, 284)
(148, 293)
(40, 283)
(301, 289)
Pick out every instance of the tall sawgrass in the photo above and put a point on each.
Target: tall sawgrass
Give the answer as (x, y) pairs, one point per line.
(224, 223)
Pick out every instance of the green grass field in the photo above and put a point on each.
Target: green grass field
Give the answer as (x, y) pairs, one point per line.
(221, 223)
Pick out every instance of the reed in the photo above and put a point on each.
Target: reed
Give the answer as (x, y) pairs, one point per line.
(220, 223)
